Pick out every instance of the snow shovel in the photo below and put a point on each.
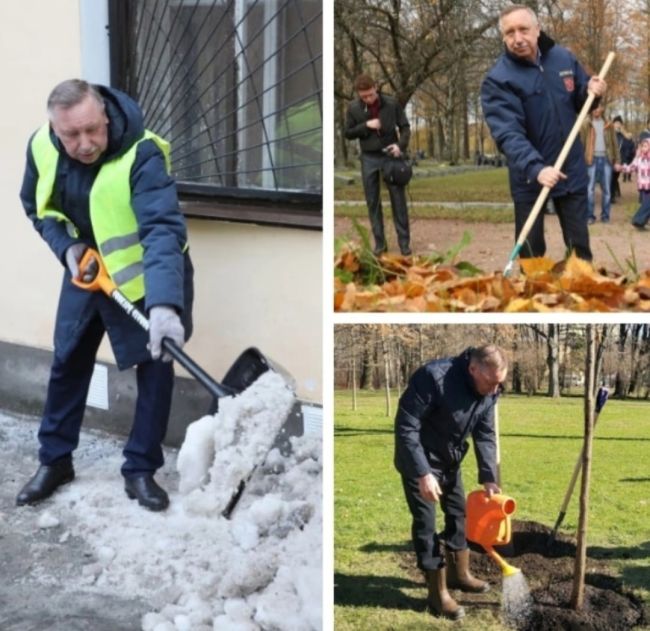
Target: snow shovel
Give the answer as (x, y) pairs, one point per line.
(568, 143)
(601, 399)
(250, 365)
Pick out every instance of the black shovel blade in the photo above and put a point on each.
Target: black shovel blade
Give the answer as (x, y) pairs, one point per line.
(246, 369)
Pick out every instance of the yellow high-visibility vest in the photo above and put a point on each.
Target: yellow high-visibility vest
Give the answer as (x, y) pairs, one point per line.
(113, 221)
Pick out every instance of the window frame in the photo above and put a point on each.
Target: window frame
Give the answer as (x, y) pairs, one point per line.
(291, 209)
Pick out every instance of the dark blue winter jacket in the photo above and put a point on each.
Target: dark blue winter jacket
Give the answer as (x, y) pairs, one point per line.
(530, 110)
(437, 412)
(168, 272)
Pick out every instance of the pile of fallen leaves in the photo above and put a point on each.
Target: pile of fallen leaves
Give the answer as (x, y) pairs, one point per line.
(416, 284)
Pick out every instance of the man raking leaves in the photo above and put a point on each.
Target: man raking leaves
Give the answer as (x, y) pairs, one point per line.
(531, 100)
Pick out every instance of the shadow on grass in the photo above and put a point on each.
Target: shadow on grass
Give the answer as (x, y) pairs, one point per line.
(642, 551)
(634, 480)
(357, 431)
(387, 547)
(384, 592)
(637, 577)
(576, 437)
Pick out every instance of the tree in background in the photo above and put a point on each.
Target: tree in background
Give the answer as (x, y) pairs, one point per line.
(367, 357)
(433, 56)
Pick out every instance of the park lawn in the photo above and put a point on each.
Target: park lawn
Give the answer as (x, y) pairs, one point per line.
(540, 442)
(477, 185)
(493, 214)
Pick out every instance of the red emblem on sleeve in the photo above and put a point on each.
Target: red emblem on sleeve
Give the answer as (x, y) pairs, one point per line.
(569, 84)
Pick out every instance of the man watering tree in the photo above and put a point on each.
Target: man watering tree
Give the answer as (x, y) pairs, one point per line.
(446, 401)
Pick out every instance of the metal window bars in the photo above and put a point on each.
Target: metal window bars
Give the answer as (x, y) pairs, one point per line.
(234, 85)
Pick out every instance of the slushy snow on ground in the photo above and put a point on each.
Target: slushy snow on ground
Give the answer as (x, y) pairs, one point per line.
(260, 570)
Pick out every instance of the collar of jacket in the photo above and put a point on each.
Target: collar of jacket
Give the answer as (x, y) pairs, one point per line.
(544, 44)
(469, 380)
(364, 105)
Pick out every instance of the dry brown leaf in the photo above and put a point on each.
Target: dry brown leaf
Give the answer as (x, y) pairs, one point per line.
(518, 305)
(536, 265)
(413, 284)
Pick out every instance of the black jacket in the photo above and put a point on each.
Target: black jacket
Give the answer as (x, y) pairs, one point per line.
(438, 410)
(392, 117)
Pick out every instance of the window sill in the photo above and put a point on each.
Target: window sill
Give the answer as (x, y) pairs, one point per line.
(286, 215)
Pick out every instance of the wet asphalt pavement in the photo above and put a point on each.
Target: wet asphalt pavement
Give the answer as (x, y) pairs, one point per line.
(35, 562)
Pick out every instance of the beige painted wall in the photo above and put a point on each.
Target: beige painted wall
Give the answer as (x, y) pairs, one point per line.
(255, 286)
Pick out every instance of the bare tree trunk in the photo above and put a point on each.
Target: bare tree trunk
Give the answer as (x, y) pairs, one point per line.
(578, 593)
(386, 357)
(552, 359)
(354, 376)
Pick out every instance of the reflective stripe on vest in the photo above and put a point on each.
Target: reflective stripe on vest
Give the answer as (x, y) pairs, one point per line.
(114, 224)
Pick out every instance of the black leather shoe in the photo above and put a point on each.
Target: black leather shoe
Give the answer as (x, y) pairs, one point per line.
(406, 251)
(380, 251)
(46, 480)
(144, 488)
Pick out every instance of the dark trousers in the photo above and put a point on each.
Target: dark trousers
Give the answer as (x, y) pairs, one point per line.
(642, 215)
(426, 541)
(66, 401)
(571, 211)
(372, 174)
(615, 186)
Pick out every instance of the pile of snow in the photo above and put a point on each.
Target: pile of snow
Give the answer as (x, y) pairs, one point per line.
(198, 571)
(220, 451)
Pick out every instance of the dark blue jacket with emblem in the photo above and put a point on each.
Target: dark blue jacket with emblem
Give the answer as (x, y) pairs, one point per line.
(438, 411)
(168, 272)
(530, 110)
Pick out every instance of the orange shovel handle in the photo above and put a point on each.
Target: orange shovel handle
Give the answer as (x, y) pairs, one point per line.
(101, 281)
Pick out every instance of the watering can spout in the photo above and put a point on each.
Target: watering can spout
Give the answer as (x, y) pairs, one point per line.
(506, 568)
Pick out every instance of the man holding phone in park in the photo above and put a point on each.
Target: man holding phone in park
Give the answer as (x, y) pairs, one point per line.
(378, 121)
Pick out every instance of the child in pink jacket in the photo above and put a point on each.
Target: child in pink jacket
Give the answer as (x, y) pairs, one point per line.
(641, 164)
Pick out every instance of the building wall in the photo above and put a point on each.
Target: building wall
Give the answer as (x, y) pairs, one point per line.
(255, 286)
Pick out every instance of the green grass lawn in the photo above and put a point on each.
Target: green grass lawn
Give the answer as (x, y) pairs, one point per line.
(479, 185)
(540, 442)
(493, 214)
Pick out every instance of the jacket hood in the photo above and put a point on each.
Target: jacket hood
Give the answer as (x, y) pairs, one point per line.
(126, 124)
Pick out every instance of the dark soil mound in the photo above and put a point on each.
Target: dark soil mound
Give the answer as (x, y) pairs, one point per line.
(548, 572)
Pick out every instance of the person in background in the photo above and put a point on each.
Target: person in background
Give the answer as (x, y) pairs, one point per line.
(626, 150)
(641, 166)
(601, 154)
(378, 121)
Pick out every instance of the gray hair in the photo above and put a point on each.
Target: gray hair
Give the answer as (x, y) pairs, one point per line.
(489, 356)
(71, 92)
(517, 7)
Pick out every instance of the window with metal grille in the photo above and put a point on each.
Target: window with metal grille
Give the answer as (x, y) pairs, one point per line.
(235, 86)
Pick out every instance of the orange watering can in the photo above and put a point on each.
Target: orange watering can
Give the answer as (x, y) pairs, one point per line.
(488, 524)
